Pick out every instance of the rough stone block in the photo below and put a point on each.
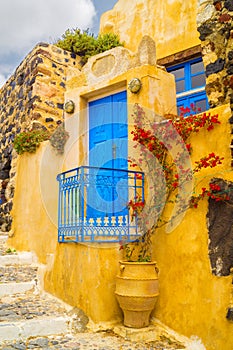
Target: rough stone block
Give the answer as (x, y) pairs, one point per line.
(15, 288)
(215, 67)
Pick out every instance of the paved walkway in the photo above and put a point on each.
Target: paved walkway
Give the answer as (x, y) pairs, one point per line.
(29, 318)
(83, 341)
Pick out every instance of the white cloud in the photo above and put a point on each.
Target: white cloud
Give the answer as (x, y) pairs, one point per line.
(24, 23)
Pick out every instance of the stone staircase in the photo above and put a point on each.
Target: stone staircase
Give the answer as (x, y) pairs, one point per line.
(33, 319)
(26, 311)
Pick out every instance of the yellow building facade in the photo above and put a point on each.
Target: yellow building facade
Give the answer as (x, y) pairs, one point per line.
(192, 300)
(172, 24)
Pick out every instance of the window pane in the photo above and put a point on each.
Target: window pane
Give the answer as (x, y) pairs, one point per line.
(178, 73)
(190, 75)
(180, 86)
(198, 80)
(201, 105)
(197, 67)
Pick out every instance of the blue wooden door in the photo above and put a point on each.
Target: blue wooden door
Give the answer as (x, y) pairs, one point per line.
(108, 148)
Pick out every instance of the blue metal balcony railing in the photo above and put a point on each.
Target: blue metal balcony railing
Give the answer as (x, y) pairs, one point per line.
(93, 204)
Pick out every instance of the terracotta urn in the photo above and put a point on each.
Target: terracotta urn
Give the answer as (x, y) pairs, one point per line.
(137, 292)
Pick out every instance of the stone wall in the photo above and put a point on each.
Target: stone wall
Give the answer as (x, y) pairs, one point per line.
(32, 98)
(215, 25)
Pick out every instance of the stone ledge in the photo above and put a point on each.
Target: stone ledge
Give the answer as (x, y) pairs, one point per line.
(23, 258)
(32, 328)
(15, 288)
(152, 333)
(158, 332)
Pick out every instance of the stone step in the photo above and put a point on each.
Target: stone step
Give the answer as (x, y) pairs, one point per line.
(30, 314)
(9, 256)
(26, 312)
(30, 304)
(22, 258)
(18, 273)
(3, 237)
(46, 326)
(87, 341)
(7, 289)
(3, 247)
(15, 279)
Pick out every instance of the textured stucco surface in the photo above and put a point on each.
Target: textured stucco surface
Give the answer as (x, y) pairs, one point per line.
(172, 24)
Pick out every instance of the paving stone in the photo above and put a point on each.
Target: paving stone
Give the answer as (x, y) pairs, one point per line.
(40, 342)
(29, 305)
(90, 341)
(17, 273)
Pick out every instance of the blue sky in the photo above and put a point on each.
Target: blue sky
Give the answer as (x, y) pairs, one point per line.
(24, 23)
(102, 6)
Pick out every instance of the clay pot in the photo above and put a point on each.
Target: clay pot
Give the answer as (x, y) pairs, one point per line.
(137, 292)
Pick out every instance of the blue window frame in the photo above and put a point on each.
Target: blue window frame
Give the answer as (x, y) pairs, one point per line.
(190, 84)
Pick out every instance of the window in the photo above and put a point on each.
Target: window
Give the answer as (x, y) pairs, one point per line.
(190, 84)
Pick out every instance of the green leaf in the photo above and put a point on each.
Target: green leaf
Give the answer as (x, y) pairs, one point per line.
(85, 44)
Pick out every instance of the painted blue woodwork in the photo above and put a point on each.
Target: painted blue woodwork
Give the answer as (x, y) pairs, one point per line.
(190, 84)
(198, 100)
(108, 148)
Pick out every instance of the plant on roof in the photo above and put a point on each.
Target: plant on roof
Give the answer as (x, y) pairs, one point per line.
(85, 44)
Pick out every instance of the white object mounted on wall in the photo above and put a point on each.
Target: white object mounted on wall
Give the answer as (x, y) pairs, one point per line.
(135, 85)
(69, 107)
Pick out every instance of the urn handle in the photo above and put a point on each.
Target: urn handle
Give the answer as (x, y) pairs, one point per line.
(156, 269)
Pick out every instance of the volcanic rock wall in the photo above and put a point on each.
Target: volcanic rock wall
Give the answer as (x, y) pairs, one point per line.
(32, 98)
(215, 25)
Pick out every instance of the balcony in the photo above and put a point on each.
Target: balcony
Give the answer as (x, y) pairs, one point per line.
(93, 205)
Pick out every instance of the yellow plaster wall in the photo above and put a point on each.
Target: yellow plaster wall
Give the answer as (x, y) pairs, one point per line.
(84, 276)
(192, 301)
(35, 203)
(132, 19)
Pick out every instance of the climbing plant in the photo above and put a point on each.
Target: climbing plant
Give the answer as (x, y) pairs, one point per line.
(29, 141)
(163, 152)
